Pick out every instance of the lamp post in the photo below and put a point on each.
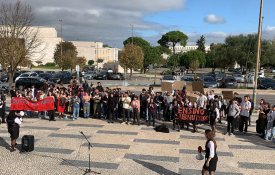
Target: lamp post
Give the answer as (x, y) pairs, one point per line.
(61, 49)
(258, 51)
(155, 67)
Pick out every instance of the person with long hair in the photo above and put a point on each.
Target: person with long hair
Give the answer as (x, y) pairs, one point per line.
(233, 111)
(51, 112)
(211, 158)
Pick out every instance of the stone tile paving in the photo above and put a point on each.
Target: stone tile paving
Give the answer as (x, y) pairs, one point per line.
(130, 150)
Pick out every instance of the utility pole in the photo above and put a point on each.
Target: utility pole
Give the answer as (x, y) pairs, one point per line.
(258, 53)
(97, 56)
(61, 49)
(132, 34)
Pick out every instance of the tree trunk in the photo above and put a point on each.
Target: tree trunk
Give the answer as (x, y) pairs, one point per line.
(10, 82)
(131, 73)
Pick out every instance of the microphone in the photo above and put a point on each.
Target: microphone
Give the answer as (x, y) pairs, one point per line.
(81, 132)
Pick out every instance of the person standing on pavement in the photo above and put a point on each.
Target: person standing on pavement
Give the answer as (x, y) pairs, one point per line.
(211, 158)
(233, 111)
(136, 110)
(244, 115)
(13, 92)
(2, 108)
(111, 106)
(126, 101)
(76, 106)
(51, 112)
(86, 104)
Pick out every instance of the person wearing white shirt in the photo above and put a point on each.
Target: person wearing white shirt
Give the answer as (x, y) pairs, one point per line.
(244, 114)
(211, 158)
(126, 101)
(201, 101)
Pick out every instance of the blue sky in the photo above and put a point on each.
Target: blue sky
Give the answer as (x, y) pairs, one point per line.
(224, 17)
(109, 21)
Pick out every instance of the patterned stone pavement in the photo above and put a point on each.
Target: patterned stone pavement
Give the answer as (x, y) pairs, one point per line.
(122, 149)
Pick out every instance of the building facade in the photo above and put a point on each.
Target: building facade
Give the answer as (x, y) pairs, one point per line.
(48, 39)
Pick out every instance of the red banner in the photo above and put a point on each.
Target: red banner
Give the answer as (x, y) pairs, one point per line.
(19, 103)
(186, 114)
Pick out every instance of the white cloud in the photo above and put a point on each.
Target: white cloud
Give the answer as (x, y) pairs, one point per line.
(269, 33)
(101, 20)
(214, 19)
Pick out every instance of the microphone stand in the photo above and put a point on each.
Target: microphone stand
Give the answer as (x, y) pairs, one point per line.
(89, 148)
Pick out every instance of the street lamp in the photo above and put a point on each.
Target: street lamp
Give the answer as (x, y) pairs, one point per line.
(155, 67)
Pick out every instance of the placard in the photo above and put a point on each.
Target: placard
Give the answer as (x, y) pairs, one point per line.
(178, 85)
(197, 115)
(166, 86)
(198, 86)
(228, 95)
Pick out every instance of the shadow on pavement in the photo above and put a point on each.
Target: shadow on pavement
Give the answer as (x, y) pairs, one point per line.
(156, 168)
(4, 144)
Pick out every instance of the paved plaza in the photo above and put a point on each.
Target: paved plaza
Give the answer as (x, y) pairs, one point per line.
(122, 149)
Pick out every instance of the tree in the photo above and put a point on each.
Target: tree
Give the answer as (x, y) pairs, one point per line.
(201, 44)
(173, 38)
(18, 39)
(69, 54)
(81, 61)
(194, 65)
(187, 58)
(99, 60)
(173, 61)
(131, 57)
(151, 54)
(91, 62)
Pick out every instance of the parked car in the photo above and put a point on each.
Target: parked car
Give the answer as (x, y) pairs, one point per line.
(28, 82)
(266, 83)
(231, 69)
(209, 82)
(89, 75)
(101, 76)
(60, 78)
(219, 76)
(4, 78)
(239, 78)
(38, 72)
(46, 76)
(27, 74)
(171, 78)
(229, 82)
(187, 78)
(115, 76)
(4, 87)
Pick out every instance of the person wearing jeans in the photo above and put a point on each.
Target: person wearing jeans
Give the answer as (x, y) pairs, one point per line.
(136, 110)
(76, 106)
(233, 111)
(86, 104)
(244, 115)
(126, 101)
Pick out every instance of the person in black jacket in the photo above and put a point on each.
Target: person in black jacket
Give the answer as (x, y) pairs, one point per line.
(111, 105)
(13, 124)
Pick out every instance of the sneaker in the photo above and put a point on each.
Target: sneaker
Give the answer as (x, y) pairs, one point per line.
(232, 134)
(123, 123)
(226, 133)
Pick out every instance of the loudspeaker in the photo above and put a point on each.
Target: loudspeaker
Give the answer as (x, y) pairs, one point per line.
(27, 143)
(162, 128)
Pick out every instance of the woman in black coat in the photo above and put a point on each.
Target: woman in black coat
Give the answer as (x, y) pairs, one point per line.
(13, 123)
(111, 105)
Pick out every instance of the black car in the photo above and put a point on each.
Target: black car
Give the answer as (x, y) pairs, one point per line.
(38, 72)
(4, 78)
(229, 82)
(115, 76)
(101, 76)
(28, 82)
(60, 78)
(266, 83)
(46, 76)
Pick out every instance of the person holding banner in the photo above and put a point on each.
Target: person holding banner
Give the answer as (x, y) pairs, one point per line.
(51, 112)
(211, 158)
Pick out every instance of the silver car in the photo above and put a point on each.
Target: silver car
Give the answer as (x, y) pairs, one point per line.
(239, 78)
(90, 75)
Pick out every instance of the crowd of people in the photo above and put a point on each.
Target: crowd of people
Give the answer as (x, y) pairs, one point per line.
(90, 101)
